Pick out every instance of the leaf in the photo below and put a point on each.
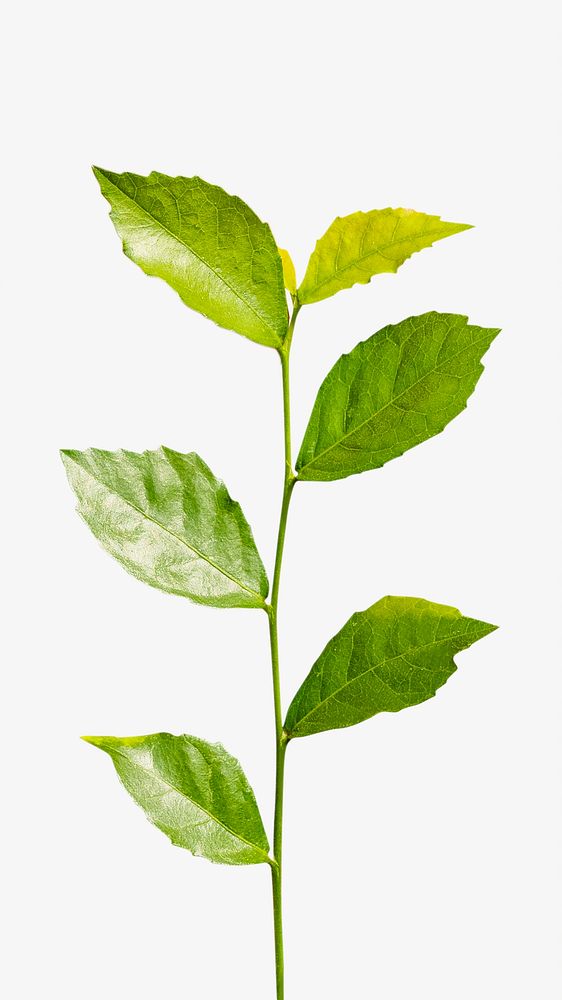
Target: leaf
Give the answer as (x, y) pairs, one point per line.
(169, 522)
(289, 275)
(208, 245)
(358, 246)
(195, 792)
(391, 392)
(395, 654)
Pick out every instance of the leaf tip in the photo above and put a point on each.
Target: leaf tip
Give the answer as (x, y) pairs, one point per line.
(66, 457)
(103, 176)
(96, 741)
(482, 629)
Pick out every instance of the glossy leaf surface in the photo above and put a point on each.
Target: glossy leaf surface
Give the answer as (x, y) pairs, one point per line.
(170, 522)
(195, 792)
(395, 654)
(391, 392)
(289, 275)
(357, 247)
(207, 244)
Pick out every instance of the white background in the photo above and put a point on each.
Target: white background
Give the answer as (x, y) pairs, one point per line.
(422, 849)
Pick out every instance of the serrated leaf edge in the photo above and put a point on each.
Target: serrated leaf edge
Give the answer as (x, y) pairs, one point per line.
(487, 629)
(460, 227)
(67, 454)
(96, 741)
(493, 331)
(101, 171)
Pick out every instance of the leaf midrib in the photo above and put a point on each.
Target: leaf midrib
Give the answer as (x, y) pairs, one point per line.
(371, 670)
(373, 253)
(190, 250)
(391, 402)
(183, 795)
(172, 534)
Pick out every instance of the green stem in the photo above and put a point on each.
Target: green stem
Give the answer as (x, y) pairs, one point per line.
(280, 735)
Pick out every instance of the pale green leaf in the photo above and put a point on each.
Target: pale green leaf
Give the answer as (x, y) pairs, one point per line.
(170, 522)
(289, 274)
(207, 244)
(195, 792)
(391, 392)
(358, 246)
(395, 654)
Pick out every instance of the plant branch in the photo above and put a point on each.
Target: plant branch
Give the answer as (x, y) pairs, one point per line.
(280, 736)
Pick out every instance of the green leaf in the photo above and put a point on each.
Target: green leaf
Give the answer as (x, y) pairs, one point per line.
(391, 392)
(289, 274)
(358, 246)
(195, 792)
(169, 522)
(395, 654)
(208, 245)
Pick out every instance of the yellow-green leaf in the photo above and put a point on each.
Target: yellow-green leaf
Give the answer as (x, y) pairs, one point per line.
(207, 244)
(358, 246)
(289, 274)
